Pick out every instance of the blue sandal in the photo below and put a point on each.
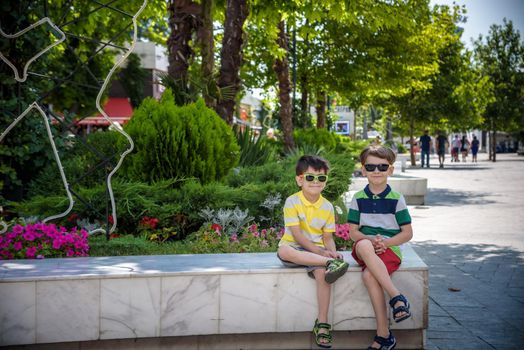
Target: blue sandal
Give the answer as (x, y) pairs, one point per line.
(399, 309)
(388, 343)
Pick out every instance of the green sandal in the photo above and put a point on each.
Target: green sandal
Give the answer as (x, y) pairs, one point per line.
(319, 336)
(335, 269)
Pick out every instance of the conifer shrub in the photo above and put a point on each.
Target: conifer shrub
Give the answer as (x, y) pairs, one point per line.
(179, 142)
(317, 138)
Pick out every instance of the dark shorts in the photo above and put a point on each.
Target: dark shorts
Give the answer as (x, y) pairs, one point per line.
(309, 269)
(389, 258)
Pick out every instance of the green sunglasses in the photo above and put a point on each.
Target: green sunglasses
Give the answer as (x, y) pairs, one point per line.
(319, 178)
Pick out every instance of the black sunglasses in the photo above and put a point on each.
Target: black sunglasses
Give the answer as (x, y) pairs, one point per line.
(372, 167)
(319, 178)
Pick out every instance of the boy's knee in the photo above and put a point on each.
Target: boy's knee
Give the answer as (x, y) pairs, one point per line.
(284, 252)
(365, 246)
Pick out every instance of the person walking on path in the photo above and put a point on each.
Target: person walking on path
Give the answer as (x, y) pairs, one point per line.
(441, 146)
(455, 147)
(425, 148)
(474, 149)
(464, 148)
(379, 222)
(308, 239)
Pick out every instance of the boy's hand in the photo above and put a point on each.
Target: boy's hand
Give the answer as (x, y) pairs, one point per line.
(330, 254)
(379, 245)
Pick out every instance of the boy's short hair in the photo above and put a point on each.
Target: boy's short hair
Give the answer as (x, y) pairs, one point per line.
(315, 162)
(378, 151)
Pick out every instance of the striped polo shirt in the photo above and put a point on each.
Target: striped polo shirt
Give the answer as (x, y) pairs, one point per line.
(313, 218)
(382, 213)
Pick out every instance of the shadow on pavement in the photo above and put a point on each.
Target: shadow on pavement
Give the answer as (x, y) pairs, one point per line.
(446, 197)
(476, 295)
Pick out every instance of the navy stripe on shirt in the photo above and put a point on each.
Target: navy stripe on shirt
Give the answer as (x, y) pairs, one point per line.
(382, 206)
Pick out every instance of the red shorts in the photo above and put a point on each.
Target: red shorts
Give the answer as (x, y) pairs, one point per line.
(389, 258)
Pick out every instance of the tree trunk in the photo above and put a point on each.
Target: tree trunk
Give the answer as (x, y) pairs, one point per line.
(281, 68)
(208, 49)
(494, 145)
(304, 103)
(321, 110)
(231, 55)
(411, 140)
(183, 21)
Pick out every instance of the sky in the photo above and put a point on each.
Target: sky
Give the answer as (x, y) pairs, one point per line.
(483, 13)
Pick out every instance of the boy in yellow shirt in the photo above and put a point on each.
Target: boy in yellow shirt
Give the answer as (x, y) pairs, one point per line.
(308, 239)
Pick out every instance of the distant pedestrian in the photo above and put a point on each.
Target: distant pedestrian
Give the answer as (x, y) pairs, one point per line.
(455, 147)
(425, 148)
(441, 146)
(474, 149)
(464, 147)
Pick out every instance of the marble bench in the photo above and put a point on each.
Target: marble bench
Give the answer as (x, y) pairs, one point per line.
(413, 188)
(209, 301)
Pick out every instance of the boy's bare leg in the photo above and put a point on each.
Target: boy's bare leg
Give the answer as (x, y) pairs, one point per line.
(366, 252)
(376, 267)
(376, 294)
(323, 298)
(301, 257)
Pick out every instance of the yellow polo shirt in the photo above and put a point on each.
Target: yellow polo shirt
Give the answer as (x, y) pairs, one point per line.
(313, 218)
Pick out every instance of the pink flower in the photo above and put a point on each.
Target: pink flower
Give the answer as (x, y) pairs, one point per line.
(28, 236)
(18, 229)
(17, 246)
(57, 243)
(30, 252)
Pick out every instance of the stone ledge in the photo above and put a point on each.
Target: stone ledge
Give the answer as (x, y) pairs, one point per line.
(414, 189)
(102, 298)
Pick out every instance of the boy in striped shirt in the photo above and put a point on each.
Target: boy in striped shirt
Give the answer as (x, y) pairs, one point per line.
(379, 222)
(308, 239)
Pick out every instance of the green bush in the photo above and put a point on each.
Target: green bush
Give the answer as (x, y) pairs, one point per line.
(254, 150)
(316, 137)
(179, 142)
(85, 164)
(178, 205)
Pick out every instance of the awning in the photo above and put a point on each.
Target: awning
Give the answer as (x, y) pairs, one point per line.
(117, 108)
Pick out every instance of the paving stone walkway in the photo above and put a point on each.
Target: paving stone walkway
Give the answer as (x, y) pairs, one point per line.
(470, 232)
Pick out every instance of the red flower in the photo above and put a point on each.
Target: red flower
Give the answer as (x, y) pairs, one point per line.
(148, 222)
(216, 227)
(114, 235)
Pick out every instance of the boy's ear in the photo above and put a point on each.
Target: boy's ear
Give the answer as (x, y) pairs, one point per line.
(299, 180)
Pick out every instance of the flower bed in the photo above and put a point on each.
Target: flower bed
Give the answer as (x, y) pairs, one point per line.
(43, 241)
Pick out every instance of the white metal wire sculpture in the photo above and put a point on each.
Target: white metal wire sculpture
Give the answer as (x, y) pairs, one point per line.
(37, 107)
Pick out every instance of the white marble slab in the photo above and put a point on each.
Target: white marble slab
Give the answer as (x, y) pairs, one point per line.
(190, 305)
(296, 302)
(129, 308)
(247, 304)
(67, 310)
(17, 313)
